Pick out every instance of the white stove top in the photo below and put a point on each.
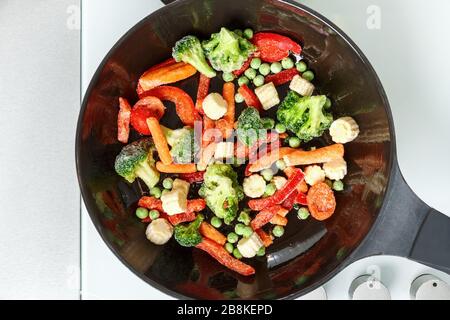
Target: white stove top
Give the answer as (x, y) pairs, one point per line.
(395, 36)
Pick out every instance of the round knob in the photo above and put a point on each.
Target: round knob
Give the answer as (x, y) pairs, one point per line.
(368, 288)
(429, 287)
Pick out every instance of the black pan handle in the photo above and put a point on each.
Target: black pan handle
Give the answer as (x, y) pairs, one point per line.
(408, 227)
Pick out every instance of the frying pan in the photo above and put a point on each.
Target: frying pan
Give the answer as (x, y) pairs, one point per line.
(376, 214)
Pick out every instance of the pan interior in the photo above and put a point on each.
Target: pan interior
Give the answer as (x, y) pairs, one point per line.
(317, 249)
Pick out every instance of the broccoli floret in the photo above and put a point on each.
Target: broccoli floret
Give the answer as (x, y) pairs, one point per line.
(250, 127)
(184, 144)
(227, 51)
(136, 160)
(188, 235)
(189, 50)
(304, 116)
(222, 191)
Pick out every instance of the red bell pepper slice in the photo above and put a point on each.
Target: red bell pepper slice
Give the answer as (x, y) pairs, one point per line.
(264, 216)
(202, 92)
(123, 121)
(279, 196)
(222, 256)
(182, 217)
(145, 108)
(290, 201)
(193, 177)
(250, 97)
(151, 203)
(183, 102)
(301, 199)
(282, 77)
(274, 47)
(265, 238)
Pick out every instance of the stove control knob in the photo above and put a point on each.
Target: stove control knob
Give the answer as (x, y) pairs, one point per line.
(429, 287)
(368, 288)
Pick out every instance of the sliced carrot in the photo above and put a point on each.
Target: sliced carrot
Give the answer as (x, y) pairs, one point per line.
(279, 220)
(208, 124)
(202, 92)
(321, 201)
(226, 124)
(212, 233)
(321, 155)
(268, 160)
(123, 121)
(206, 155)
(265, 237)
(166, 63)
(165, 75)
(175, 168)
(160, 141)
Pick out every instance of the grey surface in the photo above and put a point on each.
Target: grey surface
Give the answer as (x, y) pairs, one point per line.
(39, 195)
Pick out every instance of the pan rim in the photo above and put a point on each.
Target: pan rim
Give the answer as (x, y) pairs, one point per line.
(390, 166)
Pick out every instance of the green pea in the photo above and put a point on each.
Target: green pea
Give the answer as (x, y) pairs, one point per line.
(256, 63)
(156, 192)
(248, 33)
(267, 174)
(239, 32)
(328, 103)
(303, 213)
(237, 254)
(232, 237)
(287, 63)
(141, 213)
(168, 183)
(247, 232)
(250, 73)
(338, 185)
(294, 142)
(259, 80)
(261, 252)
(270, 189)
(229, 247)
(308, 75)
(244, 217)
(201, 192)
(239, 229)
(281, 165)
(243, 80)
(154, 214)
(264, 69)
(216, 222)
(276, 67)
(228, 76)
(238, 98)
(278, 231)
(280, 128)
(301, 66)
(268, 123)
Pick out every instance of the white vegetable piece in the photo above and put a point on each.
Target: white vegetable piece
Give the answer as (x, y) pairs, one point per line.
(314, 174)
(174, 202)
(279, 182)
(336, 169)
(302, 86)
(268, 95)
(182, 185)
(344, 130)
(248, 247)
(224, 150)
(254, 186)
(159, 231)
(215, 106)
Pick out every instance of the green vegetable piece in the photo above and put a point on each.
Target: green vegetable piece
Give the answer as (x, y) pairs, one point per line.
(281, 165)
(308, 75)
(267, 174)
(154, 214)
(278, 231)
(188, 235)
(239, 32)
(259, 80)
(276, 67)
(256, 63)
(229, 247)
(239, 229)
(136, 161)
(227, 51)
(304, 116)
(184, 145)
(228, 76)
(303, 213)
(261, 252)
(280, 128)
(270, 189)
(238, 98)
(338, 185)
(287, 63)
(294, 142)
(250, 73)
(156, 192)
(189, 50)
(301, 66)
(243, 80)
(237, 254)
(328, 103)
(168, 183)
(244, 218)
(248, 33)
(268, 123)
(232, 237)
(264, 69)
(247, 232)
(250, 127)
(216, 222)
(141, 213)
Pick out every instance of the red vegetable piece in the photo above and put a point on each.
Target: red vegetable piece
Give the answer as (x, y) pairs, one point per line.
(264, 216)
(146, 108)
(250, 97)
(274, 47)
(181, 218)
(123, 121)
(202, 92)
(193, 177)
(282, 77)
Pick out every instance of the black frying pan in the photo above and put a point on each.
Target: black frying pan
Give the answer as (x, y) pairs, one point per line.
(377, 213)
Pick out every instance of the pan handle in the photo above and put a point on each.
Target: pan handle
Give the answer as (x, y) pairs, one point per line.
(167, 1)
(407, 227)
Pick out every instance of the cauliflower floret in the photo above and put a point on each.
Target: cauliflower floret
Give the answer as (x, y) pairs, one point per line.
(314, 174)
(254, 186)
(336, 169)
